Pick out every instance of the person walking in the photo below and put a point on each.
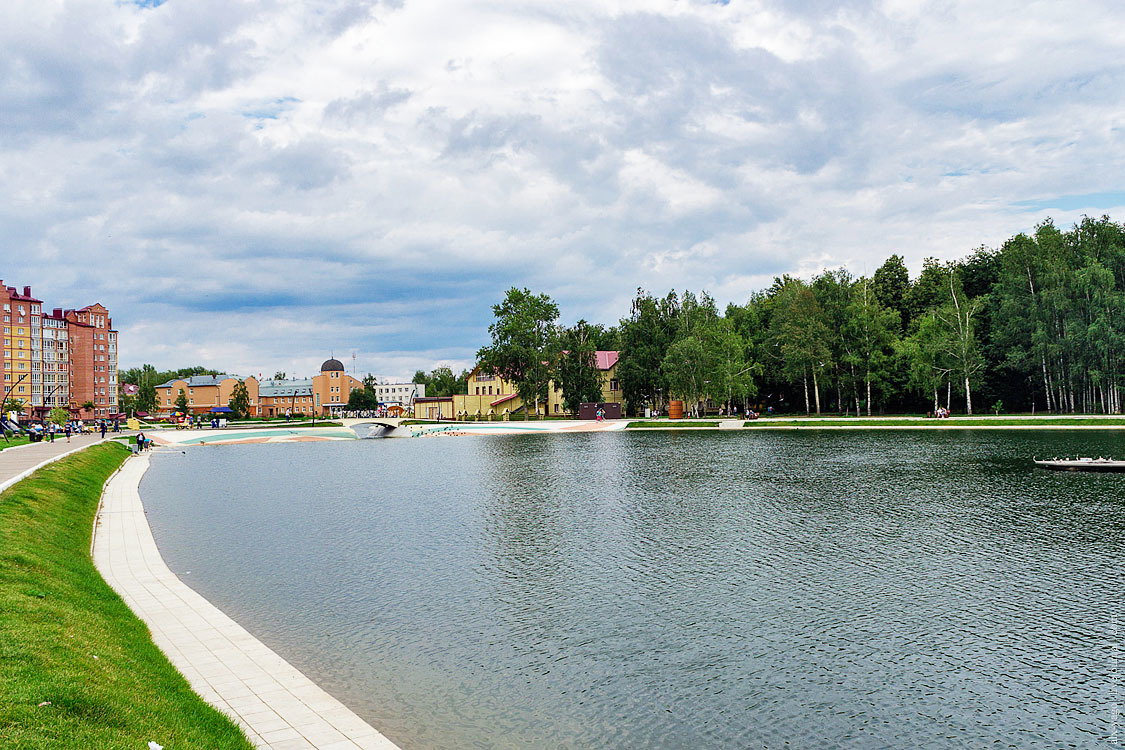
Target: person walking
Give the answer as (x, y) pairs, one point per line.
(69, 429)
(103, 429)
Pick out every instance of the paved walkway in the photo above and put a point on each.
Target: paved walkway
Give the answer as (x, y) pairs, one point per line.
(19, 461)
(278, 706)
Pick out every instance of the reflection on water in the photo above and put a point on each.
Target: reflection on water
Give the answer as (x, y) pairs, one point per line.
(672, 590)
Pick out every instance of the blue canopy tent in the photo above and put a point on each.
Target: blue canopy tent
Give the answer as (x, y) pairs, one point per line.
(220, 410)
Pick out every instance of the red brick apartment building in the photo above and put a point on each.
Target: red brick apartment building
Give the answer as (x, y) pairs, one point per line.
(60, 359)
(93, 358)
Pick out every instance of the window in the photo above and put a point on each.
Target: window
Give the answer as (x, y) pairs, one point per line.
(613, 384)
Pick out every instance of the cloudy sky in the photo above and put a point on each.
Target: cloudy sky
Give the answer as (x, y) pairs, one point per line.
(254, 185)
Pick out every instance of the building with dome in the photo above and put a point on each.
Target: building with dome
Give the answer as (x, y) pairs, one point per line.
(324, 394)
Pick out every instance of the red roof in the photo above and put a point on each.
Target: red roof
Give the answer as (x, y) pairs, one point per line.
(502, 399)
(606, 360)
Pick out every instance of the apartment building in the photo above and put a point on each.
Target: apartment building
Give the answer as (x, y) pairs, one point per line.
(56, 361)
(23, 345)
(93, 359)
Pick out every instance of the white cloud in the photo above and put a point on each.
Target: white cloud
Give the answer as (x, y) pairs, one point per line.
(253, 184)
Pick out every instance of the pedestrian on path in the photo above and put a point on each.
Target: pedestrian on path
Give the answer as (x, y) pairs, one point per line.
(103, 429)
(68, 431)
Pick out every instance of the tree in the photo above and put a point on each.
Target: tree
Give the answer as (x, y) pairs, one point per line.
(799, 335)
(89, 405)
(645, 337)
(962, 348)
(730, 368)
(58, 416)
(279, 375)
(12, 404)
(577, 373)
(523, 343)
(239, 401)
(924, 354)
(685, 370)
(364, 398)
(181, 401)
(871, 331)
(146, 398)
(890, 284)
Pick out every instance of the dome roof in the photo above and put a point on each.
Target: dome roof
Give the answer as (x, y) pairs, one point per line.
(332, 365)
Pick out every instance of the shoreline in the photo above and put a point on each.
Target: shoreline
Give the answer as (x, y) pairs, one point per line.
(227, 666)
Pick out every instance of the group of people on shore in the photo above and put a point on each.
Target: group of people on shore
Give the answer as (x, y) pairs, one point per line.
(941, 413)
(39, 431)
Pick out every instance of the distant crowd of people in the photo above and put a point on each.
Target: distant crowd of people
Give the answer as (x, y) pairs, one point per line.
(39, 431)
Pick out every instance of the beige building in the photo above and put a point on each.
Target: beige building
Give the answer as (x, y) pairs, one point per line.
(490, 397)
(323, 394)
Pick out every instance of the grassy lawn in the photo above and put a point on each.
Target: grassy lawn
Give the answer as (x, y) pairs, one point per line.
(13, 441)
(77, 668)
(950, 422)
(672, 425)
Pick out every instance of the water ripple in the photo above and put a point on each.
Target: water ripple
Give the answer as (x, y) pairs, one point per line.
(655, 590)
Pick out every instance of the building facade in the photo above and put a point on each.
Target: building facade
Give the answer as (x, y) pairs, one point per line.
(203, 393)
(93, 360)
(58, 359)
(324, 394)
(400, 394)
(23, 346)
(490, 397)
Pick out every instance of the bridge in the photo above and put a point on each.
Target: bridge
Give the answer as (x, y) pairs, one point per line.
(390, 425)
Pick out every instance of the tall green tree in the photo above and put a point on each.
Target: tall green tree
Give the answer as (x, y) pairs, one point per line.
(239, 401)
(958, 316)
(871, 335)
(685, 370)
(646, 336)
(730, 367)
(577, 374)
(524, 343)
(181, 400)
(890, 283)
(799, 335)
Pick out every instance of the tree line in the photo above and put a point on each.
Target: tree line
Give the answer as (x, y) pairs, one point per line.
(1035, 325)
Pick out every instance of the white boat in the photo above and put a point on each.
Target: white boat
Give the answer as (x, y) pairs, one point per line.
(1082, 464)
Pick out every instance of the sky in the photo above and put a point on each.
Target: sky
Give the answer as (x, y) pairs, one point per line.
(255, 186)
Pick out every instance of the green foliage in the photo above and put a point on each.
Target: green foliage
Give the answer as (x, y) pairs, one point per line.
(12, 404)
(182, 400)
(524, 344)
(365, 397)
(239, 401)
(58, 416)
(645, 337)
(890, 284)
(577, 374)
(442, 382)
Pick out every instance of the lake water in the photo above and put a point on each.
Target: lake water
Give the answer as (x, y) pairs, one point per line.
(674, 590)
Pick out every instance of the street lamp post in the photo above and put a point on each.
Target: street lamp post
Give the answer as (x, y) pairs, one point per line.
(5, 399)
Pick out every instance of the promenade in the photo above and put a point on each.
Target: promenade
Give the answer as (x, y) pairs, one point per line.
(21, 460)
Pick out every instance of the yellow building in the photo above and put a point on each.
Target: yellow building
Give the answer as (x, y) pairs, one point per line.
(203, 392)
(490, 397)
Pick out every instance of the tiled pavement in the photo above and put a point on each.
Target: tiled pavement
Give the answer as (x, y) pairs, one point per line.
(18, 462)
(278, 706)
